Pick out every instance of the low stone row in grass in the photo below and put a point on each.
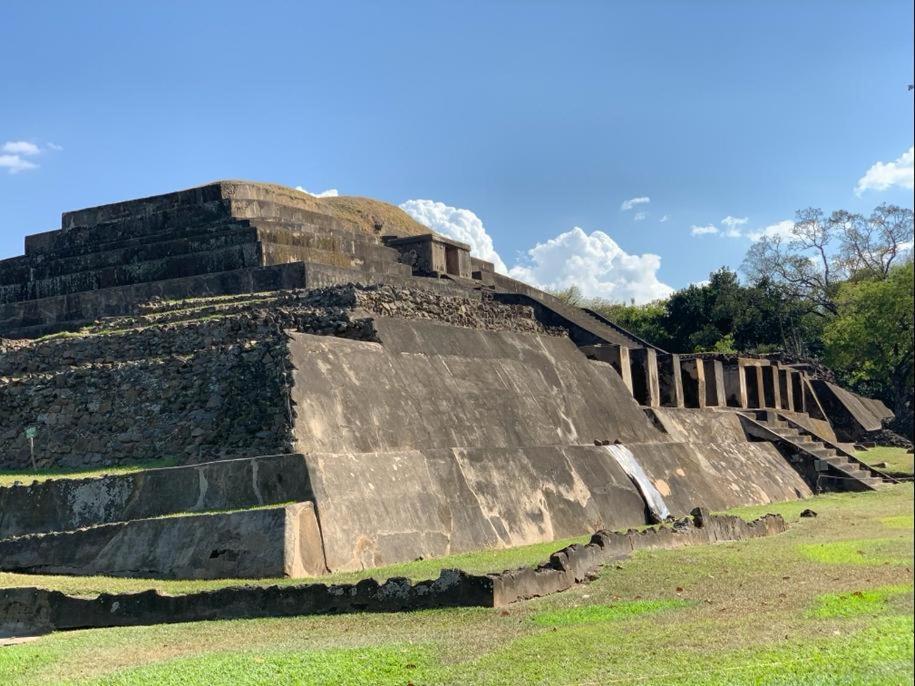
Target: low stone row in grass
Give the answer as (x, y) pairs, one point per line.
(30, 611)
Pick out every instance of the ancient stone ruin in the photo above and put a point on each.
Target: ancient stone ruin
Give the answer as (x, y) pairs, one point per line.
(331, 386)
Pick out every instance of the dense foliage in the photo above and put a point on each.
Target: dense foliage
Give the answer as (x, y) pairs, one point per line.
(837, 288)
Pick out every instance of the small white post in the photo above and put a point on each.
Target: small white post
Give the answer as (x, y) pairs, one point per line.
(30, 433)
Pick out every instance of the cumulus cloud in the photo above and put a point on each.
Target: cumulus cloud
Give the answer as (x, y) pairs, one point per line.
(457, 223)
(21, 148)
(782, 229)
(15, 163)
(884, 175)
(634, 202)
(732, 226)
(639, 216)
(329, 193)
(14, 154)
(594, 263)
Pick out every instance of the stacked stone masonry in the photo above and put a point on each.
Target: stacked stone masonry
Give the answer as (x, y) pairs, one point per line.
(331, 372)
(202, 380)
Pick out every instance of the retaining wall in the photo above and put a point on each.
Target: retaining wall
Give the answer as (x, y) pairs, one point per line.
(255, 543)
(427, 385)
(26, 611)
(66, 504)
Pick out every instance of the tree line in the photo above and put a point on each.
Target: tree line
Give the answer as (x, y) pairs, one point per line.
(838, 288)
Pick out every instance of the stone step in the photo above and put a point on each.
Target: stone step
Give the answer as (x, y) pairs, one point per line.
(597, 316)
(822, 451)
(180, 211)
(264, 542)
(306, 235)
(203, 262)
(846, 465)
(243, 208)
(303, 241)
(519, 293)
(80, 240)
(59, 504)
(213, 236)
(36, 318)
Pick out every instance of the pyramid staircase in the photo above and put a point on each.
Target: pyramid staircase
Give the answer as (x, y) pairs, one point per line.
(585, 326)
(821, 461)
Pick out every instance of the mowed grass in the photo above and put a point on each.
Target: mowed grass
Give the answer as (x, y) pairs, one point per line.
(26, 477)
(828, 602)
(899, 463)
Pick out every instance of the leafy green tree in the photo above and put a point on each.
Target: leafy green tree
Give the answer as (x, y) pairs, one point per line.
(645, 321)
(869, 343)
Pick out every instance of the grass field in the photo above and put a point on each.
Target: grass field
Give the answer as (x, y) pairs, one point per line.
(828, 602)
(8, 477)
(898, 462)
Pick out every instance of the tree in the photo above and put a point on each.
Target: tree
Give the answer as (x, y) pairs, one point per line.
(645, 321)
(870, 341)
(821, 252)
(571, 296)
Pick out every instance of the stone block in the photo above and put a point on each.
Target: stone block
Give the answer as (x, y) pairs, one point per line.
(67, 504)
(645, 386)
(715, 395)
(617, 356)
(692, 375)
(786, 388)
(261, 543)
(735, 386)
(670, 380)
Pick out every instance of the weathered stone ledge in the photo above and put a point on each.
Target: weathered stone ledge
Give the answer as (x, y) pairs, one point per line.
(29, 611)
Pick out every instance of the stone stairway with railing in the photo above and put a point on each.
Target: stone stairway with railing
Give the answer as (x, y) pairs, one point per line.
(823, 462)
(585, 326)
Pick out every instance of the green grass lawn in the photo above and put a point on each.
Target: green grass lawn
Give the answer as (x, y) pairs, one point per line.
(898, 461)
(828, 602)
(26, 476)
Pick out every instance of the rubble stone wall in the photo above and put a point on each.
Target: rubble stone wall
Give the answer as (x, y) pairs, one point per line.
(194, 380)
(25, 611)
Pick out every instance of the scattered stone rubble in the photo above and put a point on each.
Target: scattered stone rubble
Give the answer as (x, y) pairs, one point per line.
(198, 380)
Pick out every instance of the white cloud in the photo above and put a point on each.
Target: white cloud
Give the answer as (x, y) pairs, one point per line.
(665, 218)
(15, 164)
(596, 264)
(782, 229)
(733, 225)
(634, 202)
(639, 216)
(14, 154)
(21, 148)
(459, 224)
(884, 175)
(55, 147)
(703, 230)
(329, 193)
(731, 222)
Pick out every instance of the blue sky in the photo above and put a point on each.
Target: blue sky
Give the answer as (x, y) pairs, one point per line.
(535, 116)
